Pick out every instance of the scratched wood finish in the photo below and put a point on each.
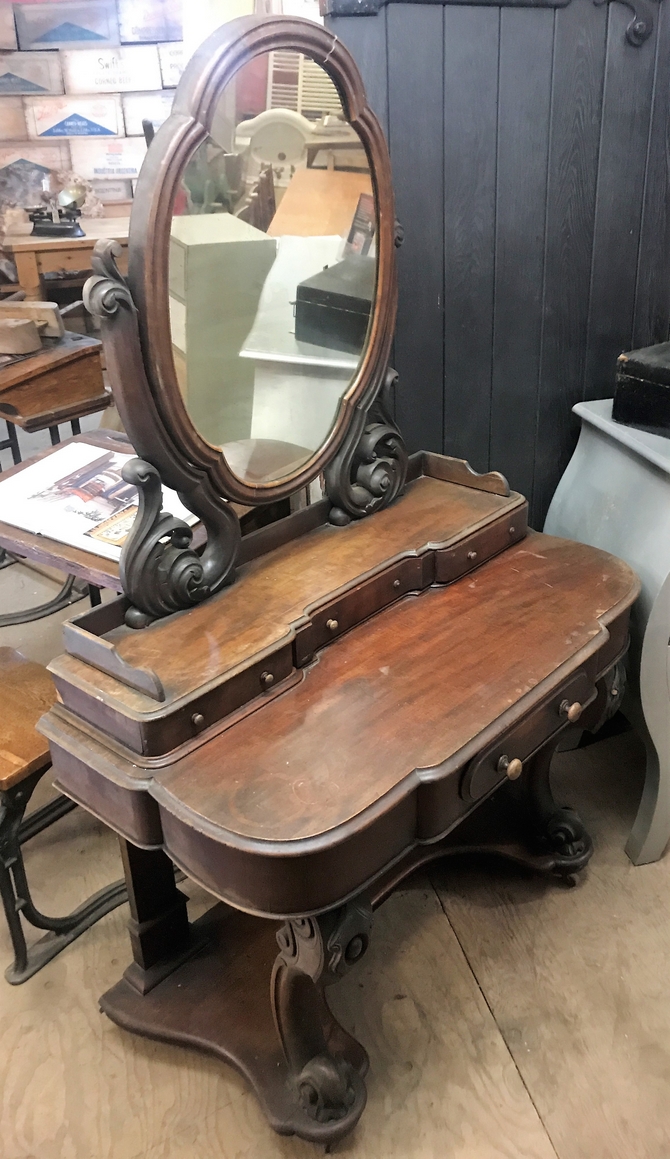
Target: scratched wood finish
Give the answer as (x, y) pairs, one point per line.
(391, 697)
(273, 592)
(27, 692)
(543, 145)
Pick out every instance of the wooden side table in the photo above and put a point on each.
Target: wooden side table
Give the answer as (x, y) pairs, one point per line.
(615, 494)
(61, 383)
(27, 691)
(35, 256)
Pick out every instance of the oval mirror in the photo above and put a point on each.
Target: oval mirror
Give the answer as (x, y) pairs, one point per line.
(272, 267)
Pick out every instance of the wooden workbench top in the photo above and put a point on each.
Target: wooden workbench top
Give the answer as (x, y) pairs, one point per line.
(94, 228)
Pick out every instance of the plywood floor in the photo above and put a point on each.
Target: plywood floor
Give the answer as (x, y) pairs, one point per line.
(506, 1017)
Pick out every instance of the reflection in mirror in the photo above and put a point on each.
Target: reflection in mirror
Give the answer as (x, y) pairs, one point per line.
(272, 267)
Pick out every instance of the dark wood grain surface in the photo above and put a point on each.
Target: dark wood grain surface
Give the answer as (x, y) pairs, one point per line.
(405, 691)
(273, 594)
(295, 804)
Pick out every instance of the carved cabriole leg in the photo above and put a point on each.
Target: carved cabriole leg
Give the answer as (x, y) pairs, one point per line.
(314, 952)
(552, 828)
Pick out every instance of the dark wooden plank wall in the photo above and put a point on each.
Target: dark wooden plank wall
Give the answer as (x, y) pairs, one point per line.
(531, 155)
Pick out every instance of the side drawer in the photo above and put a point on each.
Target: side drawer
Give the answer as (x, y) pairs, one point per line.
(490, 768)
(453, 562)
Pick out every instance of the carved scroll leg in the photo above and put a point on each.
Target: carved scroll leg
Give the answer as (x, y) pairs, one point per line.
(313, 952)
(553, 829)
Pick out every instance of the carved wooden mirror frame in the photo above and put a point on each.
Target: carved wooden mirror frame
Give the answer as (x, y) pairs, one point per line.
(362, 457)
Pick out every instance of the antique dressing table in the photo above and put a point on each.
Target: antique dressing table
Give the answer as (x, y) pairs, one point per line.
(299, 718)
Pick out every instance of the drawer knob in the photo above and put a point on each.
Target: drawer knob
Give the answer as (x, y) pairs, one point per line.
(572, 711)
(511, 768)
(332, 625)
(267, 680)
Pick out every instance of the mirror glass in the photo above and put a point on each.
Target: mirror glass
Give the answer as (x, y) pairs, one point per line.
(272, 267)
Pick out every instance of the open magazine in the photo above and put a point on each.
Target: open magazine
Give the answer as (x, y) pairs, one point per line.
(77, 496)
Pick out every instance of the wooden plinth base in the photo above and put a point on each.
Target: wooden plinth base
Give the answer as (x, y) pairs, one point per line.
(219, 1002)
(218, 999)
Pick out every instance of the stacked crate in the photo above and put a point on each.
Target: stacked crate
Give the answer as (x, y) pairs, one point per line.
(77, 78)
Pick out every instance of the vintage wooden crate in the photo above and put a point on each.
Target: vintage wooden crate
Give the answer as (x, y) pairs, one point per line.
(172, 64)
(154, 107)
(116, 158)
(149, 20)
(8, 30)
(79, 24)
(24, 166)
(74, 116)
(12, 119)
(52, 154)
(121, 70)
(113, 190)
(30, 72)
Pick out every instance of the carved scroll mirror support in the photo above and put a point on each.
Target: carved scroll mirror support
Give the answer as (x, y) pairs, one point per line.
(248, 347)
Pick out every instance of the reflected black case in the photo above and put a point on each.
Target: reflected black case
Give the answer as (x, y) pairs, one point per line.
(332, 307)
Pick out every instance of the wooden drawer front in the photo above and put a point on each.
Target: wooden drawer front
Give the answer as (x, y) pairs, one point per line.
(453, 562)
(484, 772)
(408, 575)
(329, 622)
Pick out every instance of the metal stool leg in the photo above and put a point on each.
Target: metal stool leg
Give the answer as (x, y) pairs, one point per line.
(68, 594)
(11, 443)
(15, 892)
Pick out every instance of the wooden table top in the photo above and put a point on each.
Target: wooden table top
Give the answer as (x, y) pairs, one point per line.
(27, 692)
(390, 702)
(94, 228)
(56, 353)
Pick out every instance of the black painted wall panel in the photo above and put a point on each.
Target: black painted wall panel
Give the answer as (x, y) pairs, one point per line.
(531, 158)
(652, 292)
(471, 36)
(574, 138)
(414, 39)
(629, 78)
(526, 50)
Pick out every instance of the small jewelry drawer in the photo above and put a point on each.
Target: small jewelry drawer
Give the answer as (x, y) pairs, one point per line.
(504, 760)
(453, 562)
(327, 623)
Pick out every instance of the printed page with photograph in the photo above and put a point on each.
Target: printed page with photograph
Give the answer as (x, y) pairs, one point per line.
(77, 496)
